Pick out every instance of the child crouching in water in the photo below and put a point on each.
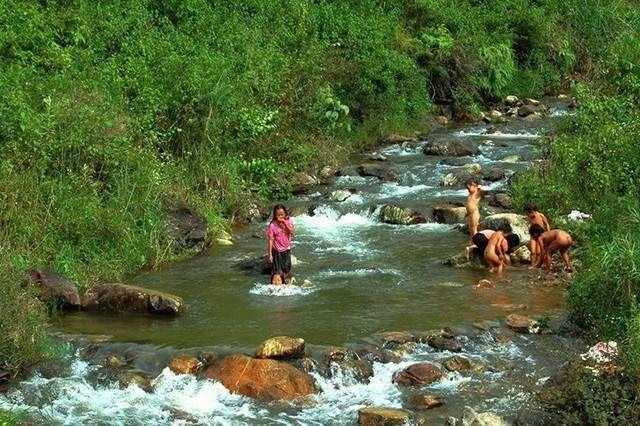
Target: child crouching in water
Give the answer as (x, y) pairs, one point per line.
(550, 242)
(497, 249)
(279, 237)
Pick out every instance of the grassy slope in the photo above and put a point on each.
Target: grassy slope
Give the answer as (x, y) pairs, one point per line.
(112, 112)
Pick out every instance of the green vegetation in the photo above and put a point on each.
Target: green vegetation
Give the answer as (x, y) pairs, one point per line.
(113, 112)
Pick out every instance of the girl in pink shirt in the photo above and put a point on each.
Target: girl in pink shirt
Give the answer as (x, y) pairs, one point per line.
(279, 237)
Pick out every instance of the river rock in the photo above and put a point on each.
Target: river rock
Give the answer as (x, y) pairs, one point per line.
(521, 324)
(377, 170)
(421, 402)
(393, 339)
(460, 260)
(396, 215)
(521, 256)
(484, 284)
(117, 297)
(511, 159)
(508, 222)
(461, 364)
(340, 195)
(302, 182)
(263, 379)
(224, 238)
(454, 148)
(471, 418)
(185, 365)
(132, 378)
(327, 172)
(56, 289)
(456, 161)
(420, 374)
(511, 100)
(493, 174)
(499, 199)
(444, 343)
(187, 229)
(376, 156)
(114, 362)
(526, 110)
(346, 360)
(449, 213)
(381, 416)
(281, 347)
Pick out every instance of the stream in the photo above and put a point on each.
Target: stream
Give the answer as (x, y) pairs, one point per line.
(364, 277)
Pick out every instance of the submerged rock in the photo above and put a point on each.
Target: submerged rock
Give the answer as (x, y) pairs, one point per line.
(187, 229)
(461, 364)
(423, 402)
(116, 297)
(263, 379)
(377, 170)
(420, 374)
(397, 215)
(444, 343)
(381, 416)
(281, 347)
(449, 213)
(132, 378)
(454, 148)
(56, 289)
(185, 365)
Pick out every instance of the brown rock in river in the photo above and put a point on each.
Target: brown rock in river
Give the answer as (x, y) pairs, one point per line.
(420, 374)
(281, 347)
(381, 416)
(521, 323)
(264, 379)
(185, 365)
(425, 402)
(449, 213)
(56, 288)
(116, 297)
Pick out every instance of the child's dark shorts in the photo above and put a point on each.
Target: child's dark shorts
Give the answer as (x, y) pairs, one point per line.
(481, 241)
(281, 263)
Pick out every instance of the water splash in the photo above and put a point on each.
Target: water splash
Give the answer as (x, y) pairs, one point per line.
(280, 290)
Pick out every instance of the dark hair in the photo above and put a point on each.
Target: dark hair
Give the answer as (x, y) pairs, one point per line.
(536, 230)
(480, 240)
(472, 181)
(275, 210)
(529, 208)
(512, 240)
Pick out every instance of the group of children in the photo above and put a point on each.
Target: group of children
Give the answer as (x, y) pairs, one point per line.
(495, 246)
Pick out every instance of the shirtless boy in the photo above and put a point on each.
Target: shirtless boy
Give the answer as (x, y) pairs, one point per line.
(550, 242)
(535, 218)
(473, 203)
(497, 249)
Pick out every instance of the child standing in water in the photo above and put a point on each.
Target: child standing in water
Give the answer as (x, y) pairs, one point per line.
(535, 218)
(473, 204)
(279, 236)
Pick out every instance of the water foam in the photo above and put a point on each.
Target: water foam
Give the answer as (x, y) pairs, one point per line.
(393, 190)
(482, 132)
(261, 289)
(362, 272)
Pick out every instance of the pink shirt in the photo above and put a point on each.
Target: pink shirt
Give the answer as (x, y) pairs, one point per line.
(281, 240)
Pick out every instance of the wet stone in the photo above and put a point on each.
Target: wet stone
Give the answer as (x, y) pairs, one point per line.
(381, 416)
(521, 323)
(281, 347)
(461, 364)
(420, 374)
(132, 378)
(185, 365)
(444, 343)
(421, 402)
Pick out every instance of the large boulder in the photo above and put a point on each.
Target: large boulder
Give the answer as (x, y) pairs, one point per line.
(340, 195)
(347, 360)
(117, 297)
(443, 342)
(327, 172)
(281, 347)
(56, 289)
(461, 364)
(187, 230)
(263, 379)
(449, 213)
(460, 176)
(499, 199)
(508, 222)
(420, 374)
(381, 416)
(397, 215)
(493, 173)
(453, 148)
(377, 170)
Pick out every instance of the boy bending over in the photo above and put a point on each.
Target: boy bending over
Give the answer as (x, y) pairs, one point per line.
(550, 242)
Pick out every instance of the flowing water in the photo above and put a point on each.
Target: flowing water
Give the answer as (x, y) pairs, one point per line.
(366, 276)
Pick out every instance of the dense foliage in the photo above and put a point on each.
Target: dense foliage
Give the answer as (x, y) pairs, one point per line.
(593, 167)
